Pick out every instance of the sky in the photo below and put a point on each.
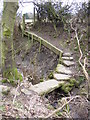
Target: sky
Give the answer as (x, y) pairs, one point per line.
(28, 7)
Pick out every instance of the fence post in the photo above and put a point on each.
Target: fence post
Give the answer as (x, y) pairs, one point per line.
(23, 25)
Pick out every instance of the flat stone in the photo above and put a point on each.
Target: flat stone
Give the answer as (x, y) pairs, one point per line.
(66, 54)
(26, 91)
(68, 63)
(62, 69)
(46, 86)
(58, 76)
(67, 58)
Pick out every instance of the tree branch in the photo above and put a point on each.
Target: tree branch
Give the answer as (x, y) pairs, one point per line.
(60, 108)
(81, 55)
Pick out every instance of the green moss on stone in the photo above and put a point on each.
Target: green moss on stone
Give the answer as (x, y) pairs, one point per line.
(41, 80)
(67, 87)
(73, 81)
(50, 76)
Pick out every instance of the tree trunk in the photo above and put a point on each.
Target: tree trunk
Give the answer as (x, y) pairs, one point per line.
(8, 20)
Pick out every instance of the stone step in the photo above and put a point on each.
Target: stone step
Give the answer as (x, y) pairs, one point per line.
(62, 69)
(26, 91)
(68, 63)
(67, 58)
(61, 77)
(67, 54)
(47, 86)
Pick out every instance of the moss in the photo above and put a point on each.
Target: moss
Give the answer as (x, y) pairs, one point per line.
(56, 69)
(41, 80)
(50, 76)
(73, 81)
(12, 75)
(67, 87)
(6, 31)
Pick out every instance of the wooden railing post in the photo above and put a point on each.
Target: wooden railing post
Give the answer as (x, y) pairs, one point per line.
(40, 45)
(34, 16)
(23, 25)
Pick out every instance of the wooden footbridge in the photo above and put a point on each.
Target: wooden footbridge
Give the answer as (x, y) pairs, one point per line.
(62, 76)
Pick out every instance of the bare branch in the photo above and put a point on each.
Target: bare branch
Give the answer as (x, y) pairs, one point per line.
(60, 108)
(81, 55)
(16, 92)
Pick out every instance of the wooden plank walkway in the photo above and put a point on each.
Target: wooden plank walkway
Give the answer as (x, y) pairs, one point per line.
(62, 75)
(42, 41)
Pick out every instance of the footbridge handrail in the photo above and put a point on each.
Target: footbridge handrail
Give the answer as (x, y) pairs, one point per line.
(42, 41)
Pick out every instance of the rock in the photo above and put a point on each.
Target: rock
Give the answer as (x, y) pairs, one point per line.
(4, 89)
(13, 92)
(66, 54)
(26, 91)
(46, 86)
(68, 63)
(62, 69)
(61, 76)
(67, 58)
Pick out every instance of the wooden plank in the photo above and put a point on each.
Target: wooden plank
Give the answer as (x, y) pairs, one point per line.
(44, 42)
(51, 47)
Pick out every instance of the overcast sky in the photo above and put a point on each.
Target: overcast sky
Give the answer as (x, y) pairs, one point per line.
(28, 7)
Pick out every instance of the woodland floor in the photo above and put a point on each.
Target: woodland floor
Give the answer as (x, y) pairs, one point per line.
(36, 67)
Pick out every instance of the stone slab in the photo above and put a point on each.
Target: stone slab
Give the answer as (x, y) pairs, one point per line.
(62, 69)
(46, 86)
(26, 91)
(68, 63)
(66, 54)
(61, 77)
(67, 58)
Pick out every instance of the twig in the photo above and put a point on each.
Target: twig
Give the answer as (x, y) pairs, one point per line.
(15, 93)
(81, 55)
(61, 107)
